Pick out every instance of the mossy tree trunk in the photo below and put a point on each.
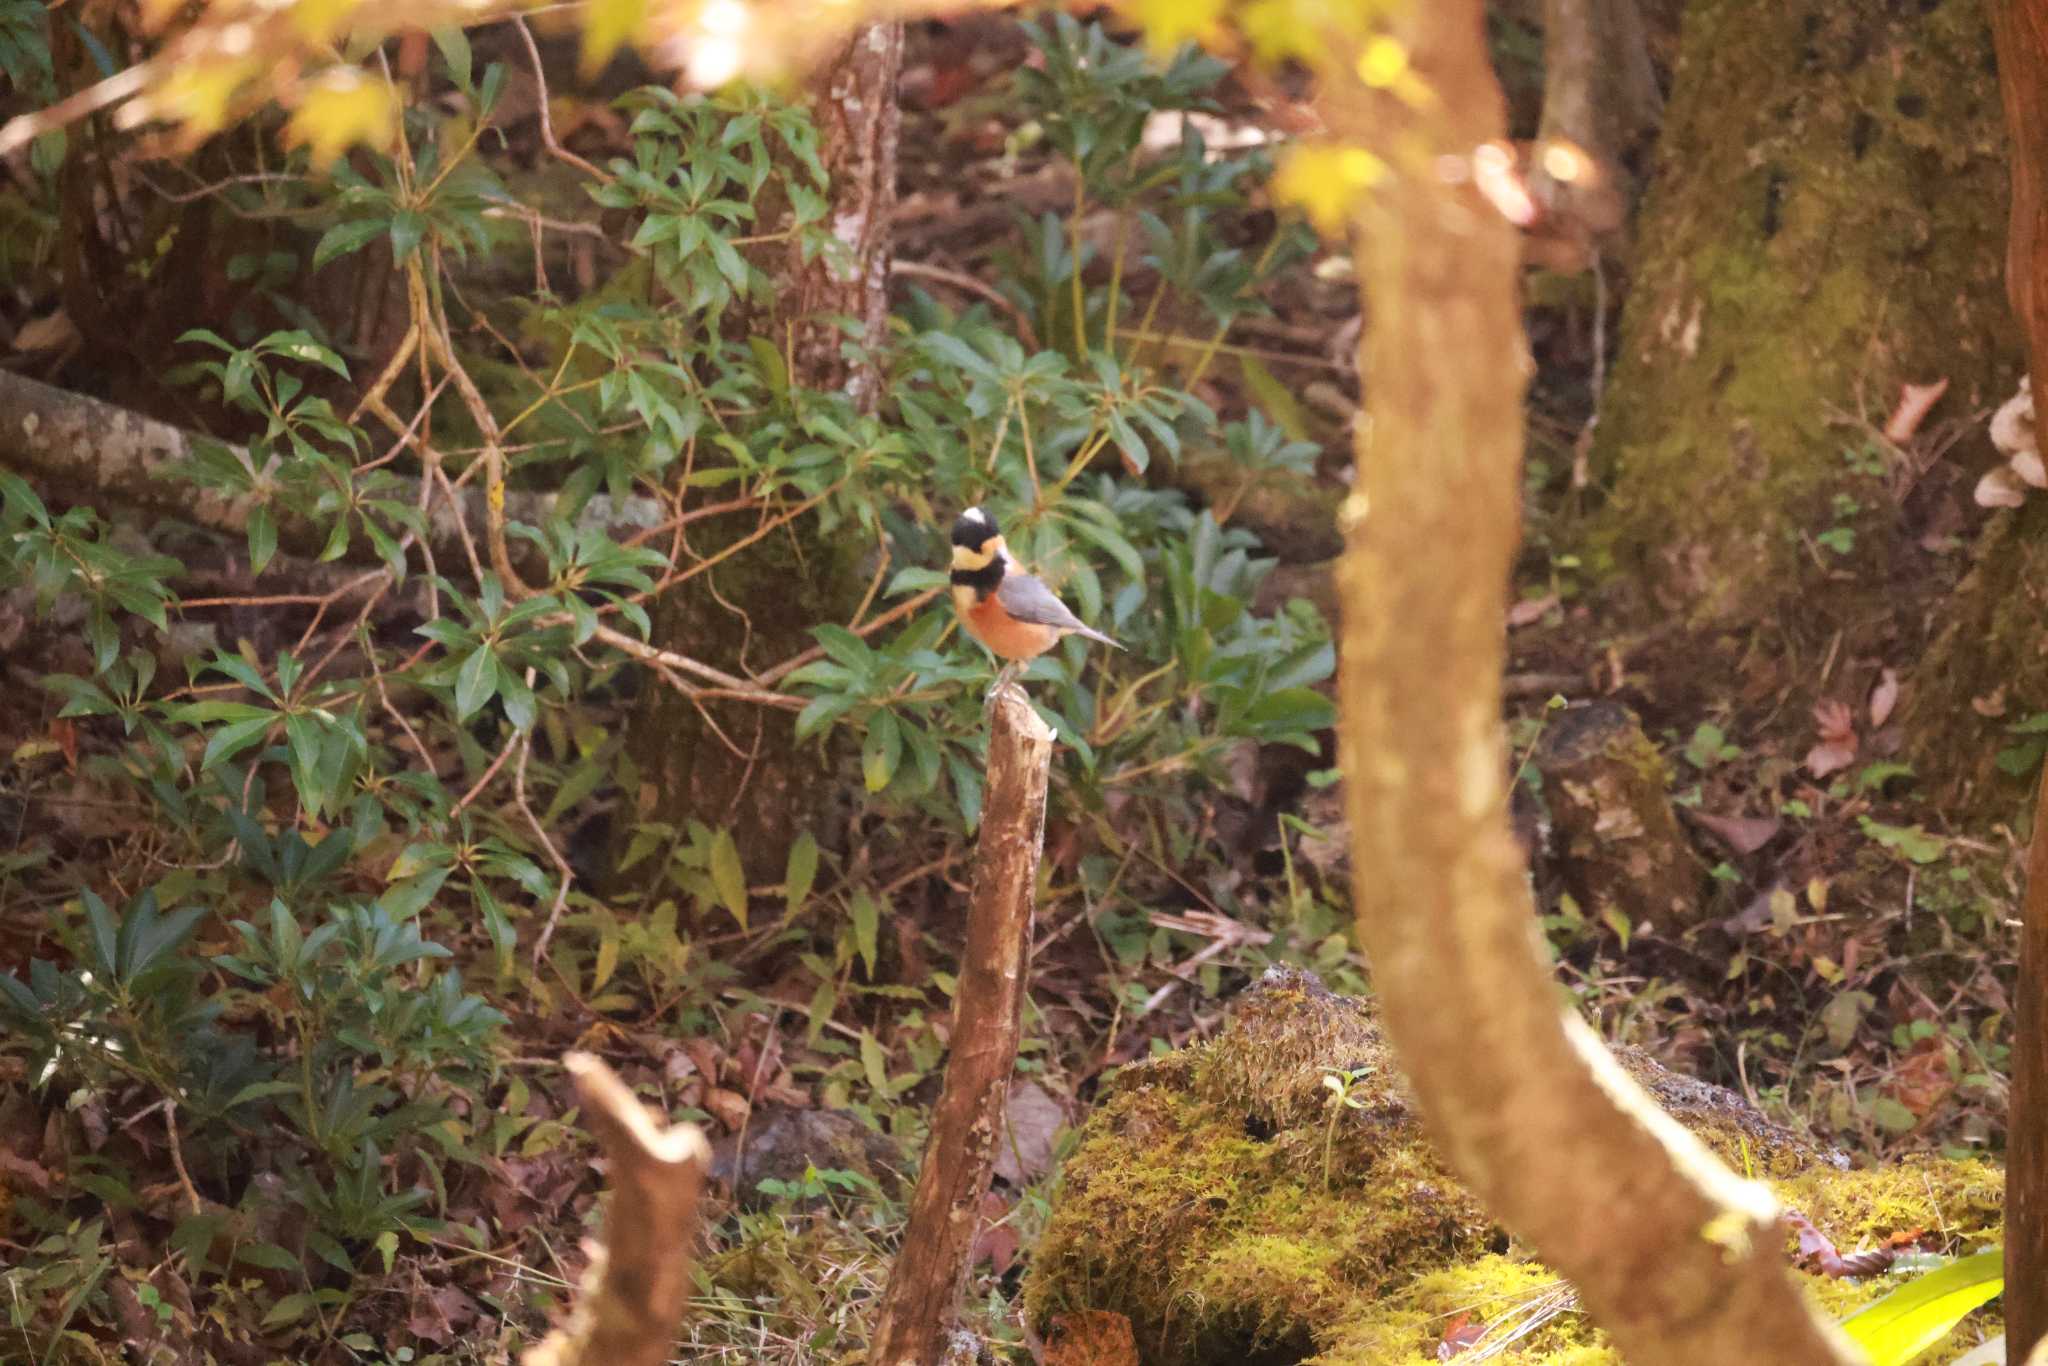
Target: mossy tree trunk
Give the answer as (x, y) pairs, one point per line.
(1992, 650)
(734, 765)
(1526, 1104)
(1824, 226)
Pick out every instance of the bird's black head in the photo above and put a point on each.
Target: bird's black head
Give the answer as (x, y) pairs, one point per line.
(974, 530)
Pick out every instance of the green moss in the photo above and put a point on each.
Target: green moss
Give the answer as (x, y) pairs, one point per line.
(1989, 652)
(1826, 223)
(1197, 1205)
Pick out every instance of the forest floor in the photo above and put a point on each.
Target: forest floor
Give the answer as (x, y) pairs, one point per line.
(1847, 966)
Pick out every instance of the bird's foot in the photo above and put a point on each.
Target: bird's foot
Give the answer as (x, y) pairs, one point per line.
(1004, 678)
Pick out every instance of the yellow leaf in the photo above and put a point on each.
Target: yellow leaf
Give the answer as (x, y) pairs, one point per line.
(1278, 30)
(1383, 62)
(607, 959)
(1327, 180)
(1169, 23)
(606, 25)
(320, 20)
(199, 94)
(345, 108)
(728, 877)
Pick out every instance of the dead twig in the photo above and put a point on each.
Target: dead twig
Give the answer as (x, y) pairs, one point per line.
(547, 122)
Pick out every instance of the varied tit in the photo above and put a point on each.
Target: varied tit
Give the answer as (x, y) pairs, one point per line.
(1009, 611)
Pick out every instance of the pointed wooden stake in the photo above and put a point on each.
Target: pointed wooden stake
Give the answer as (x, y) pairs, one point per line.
(923, 1295)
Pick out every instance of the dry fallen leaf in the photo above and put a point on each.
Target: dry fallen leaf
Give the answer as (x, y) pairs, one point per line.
(1836, 748)
(1883, 698)
(1529, 611)
(2000, 488)
(1743, 834)
(2027, 465)
(1914, 402)
(998, 1242)
(2012, 426)
(1460, 1335)
(52, 333)
(1024, 1151)
(1924, 1080)
(730, 1108)
(1091, 1337)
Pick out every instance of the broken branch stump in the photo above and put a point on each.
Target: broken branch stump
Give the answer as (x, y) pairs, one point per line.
(926, 1283)
(633, 1295)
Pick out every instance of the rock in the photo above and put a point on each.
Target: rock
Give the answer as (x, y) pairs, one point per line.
(781, 1143)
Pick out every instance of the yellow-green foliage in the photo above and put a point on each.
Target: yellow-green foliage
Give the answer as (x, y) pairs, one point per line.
(1196, 1203)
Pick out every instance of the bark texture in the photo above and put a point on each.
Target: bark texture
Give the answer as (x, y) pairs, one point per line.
(925, 1284)
(1822, 228)
(1525, 1102)
(1599, 88)
(736, 766)
(2021, 28)
(634, 1294)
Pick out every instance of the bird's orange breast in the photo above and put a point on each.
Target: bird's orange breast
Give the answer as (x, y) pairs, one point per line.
(1006, 636)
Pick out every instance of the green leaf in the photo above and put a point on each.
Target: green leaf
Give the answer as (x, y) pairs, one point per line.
(728, 876)
(262, 537)
(407, 228)
(881, 750)
(269, 1256)
(874, 1062)
(802, 874)
(105, 936)
(1911, 841)
(475, 681)
(520, 706)
(1276, 399)
(343, 238)
(454, 45)
(1919, 1314)
(866, 918)
(233, 738)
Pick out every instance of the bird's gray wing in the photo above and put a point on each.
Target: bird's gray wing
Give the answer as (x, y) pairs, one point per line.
(1026, 599)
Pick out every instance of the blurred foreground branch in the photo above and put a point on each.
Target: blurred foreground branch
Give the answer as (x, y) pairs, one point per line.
(1521, 1096)
(638, 1284)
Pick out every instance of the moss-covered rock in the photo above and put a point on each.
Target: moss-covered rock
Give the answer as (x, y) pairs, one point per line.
(1223, 1201)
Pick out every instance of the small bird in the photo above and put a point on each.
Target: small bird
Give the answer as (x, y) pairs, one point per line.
(1009, 611)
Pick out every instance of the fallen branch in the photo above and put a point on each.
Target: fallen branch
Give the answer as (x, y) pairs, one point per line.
(93, 452)
(638, 1284)
(925, 1284)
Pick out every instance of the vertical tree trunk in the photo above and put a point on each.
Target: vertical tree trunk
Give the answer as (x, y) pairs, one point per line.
(1822, 228)
(2021, 28)
(735, 765)
(1599, 88)
(1524, 1101)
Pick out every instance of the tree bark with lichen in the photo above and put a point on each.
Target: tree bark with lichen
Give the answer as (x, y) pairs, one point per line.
(736, 765)
(1523, 1100)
